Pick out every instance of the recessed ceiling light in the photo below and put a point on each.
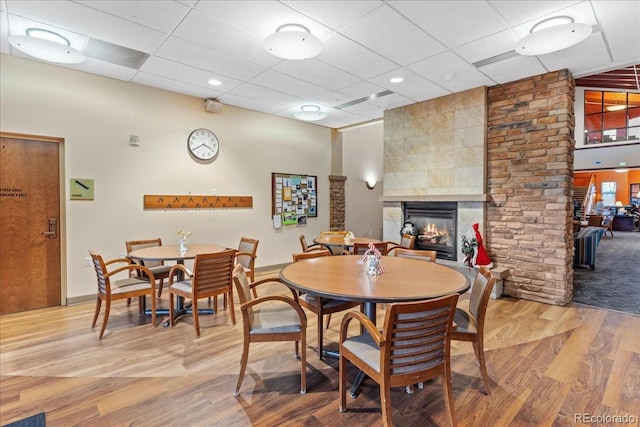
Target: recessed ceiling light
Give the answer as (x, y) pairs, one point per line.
(293, 41)
(396, 79)
(214, 82)
(46, 45)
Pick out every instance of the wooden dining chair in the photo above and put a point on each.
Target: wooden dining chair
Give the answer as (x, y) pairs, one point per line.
(115, 289)
(421, 254)
(334, 233)
(470, 323)
(319, 305)
(159, 269)
(211, 276)
(246, 255)
(595, 221)
(413, 346)
(408, 241)
(268, 319)
(306, 247)
(361, 248)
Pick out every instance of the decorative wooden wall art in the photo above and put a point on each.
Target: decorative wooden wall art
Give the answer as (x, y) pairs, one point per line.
(189, 201)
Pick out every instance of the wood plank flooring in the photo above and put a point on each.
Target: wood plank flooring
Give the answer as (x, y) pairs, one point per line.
(549, 366)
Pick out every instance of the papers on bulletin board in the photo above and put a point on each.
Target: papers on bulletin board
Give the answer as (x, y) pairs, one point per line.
(277, 221)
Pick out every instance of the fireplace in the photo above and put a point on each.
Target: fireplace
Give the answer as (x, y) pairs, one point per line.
(435, 226)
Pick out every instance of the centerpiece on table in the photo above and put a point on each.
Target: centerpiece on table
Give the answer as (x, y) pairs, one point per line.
(184, 239)
(372, 255)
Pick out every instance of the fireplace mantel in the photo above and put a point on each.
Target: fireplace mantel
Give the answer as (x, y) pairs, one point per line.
(438, 198)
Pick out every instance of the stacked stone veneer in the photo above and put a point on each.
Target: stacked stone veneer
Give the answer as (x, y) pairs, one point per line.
(530, 170)
(510, 145)
(337, 202)
(436, 151)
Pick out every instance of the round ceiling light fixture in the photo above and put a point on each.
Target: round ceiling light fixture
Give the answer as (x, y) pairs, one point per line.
(551, 35)
(310, 113)
(46, 45)
(293, 41)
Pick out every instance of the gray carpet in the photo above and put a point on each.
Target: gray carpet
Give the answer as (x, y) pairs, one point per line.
(615, 282)
(38, 420)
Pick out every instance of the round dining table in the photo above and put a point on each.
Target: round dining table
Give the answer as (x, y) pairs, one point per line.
(173, 253)
(403, 279)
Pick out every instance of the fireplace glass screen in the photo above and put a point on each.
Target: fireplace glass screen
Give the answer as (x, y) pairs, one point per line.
(435, 226)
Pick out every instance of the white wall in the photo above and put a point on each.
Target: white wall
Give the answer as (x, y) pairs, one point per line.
(96, 115)
(362, 157)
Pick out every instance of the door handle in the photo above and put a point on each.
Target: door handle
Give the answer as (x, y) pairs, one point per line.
(53, 229)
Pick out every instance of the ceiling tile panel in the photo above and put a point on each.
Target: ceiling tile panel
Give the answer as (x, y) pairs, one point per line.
(174, 85)
(339, 15)
(452, 23)
(197, 56)
(202, 29)
(347, 55)
(451, 72)
(317, 72)
(160, 15)
(184, 73)
(397, 38)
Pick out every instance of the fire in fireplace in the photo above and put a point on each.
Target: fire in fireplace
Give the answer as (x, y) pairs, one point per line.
(435, 226)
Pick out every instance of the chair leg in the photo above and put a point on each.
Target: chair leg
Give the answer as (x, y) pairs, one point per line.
(196, 320)
(320, 334)
(171, 310)
(160, 288)
(107, 309)
(303, 362)
(385, 402)
(153, 310)
(97, 312)
(448, 395)
(478, 348)
(342, 382)
(231, 308)
(243, 365)
(328, 320)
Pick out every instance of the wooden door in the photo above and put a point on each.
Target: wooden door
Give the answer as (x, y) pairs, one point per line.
(30, 269)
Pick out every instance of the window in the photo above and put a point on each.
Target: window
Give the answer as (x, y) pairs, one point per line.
(611, 117)
(609, 193)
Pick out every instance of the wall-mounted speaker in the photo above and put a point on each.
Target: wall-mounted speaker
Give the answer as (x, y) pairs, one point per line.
(212, 105)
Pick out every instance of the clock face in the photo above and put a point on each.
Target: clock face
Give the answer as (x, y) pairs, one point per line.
(203, 144)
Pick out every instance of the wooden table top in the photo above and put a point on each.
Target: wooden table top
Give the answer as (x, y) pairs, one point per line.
(404, 279)
(339, 241)
(172, 252)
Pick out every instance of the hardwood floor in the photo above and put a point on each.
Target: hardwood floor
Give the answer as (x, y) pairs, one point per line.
(548, 365)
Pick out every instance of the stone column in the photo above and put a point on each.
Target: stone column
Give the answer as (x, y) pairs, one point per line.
(336, 202)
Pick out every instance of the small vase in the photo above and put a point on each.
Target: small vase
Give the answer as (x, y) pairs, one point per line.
(374, 264)
(183, 244)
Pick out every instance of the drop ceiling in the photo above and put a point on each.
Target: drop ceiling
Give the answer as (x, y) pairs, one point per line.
(438, 47)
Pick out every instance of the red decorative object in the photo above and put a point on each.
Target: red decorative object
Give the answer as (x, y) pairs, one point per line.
(480, 256)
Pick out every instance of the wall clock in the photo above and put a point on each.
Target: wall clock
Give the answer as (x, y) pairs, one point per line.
(203, 144)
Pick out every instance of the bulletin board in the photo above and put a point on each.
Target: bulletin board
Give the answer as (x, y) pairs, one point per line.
(294, 197)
